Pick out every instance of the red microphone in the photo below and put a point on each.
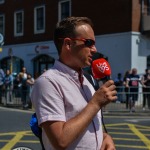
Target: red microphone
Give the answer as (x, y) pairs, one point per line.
(101, 69)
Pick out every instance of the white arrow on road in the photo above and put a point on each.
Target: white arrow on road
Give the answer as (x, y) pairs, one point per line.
(137, 120)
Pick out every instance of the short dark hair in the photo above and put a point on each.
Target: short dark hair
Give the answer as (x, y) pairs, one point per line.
(66, 28)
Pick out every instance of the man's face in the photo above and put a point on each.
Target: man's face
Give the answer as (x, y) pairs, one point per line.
(80, 52)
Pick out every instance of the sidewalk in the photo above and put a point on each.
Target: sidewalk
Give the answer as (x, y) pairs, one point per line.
(120, 109)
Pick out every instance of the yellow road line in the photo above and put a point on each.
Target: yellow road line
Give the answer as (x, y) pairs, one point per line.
(10, 133)
(116, 124)
(13, 141)
(143, 138)
(140, 126)
(121, 133)
(127, 117)
(125, 133)
(132, 146)
(14, 133)
(127, 139)
(117, 128)
(22, 141)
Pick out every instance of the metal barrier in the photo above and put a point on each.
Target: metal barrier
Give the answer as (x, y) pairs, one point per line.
(14, 98)
(124, 98)
(18, 98)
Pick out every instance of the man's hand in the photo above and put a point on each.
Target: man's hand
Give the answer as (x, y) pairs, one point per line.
(105, 94)
(108, 143)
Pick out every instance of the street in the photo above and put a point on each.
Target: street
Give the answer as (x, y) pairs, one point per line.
(15, 130)
(129, 131)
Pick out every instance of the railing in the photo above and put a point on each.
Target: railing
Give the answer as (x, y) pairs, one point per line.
(124, 99)
(14, 98)
(18, 98)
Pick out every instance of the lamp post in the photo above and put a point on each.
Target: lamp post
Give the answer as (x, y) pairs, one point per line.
(10, 53)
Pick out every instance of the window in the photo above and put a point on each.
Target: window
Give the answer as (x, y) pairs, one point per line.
(2, 24)
(2, 1)
(64, 9)
(39, 19)
(18, 23)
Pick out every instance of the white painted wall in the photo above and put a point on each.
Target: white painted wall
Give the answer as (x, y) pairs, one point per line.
(138, 61)
(124, 51)
(27, 52)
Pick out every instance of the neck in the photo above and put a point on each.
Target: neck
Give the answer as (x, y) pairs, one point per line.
(72, 66)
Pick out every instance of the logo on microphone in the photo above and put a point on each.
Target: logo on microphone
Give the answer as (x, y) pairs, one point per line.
(102, 67)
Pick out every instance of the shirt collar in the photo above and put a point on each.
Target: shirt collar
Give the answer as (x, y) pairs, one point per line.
(67, 70)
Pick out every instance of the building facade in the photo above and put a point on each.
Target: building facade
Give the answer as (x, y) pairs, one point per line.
(122, 30)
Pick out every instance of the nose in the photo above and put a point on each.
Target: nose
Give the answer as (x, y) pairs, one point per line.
(93, 49)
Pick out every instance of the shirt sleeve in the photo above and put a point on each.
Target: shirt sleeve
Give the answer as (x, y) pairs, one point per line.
(48, 101)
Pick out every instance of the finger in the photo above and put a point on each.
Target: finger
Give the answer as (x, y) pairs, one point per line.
(109, 83)
(111, 97)
(112, 87)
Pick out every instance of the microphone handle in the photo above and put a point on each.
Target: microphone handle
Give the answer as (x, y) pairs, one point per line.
(105, 79)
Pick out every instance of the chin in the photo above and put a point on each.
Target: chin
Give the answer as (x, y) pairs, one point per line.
(87, 64)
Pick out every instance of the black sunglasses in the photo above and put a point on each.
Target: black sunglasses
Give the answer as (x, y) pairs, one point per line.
(87, 42)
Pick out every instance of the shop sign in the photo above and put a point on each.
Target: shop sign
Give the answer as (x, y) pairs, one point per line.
(40, 48)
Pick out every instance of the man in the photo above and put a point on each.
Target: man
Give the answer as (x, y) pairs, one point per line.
(146, 88)
(66, 104)
(133, 81)
(2, 75)
(23, 87)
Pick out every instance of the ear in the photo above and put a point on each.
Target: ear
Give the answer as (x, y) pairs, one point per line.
(67, 43)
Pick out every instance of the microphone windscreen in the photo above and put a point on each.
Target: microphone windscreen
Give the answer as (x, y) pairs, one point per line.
(100, 68)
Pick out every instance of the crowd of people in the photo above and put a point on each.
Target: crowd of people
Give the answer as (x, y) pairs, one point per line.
(19, 86)
(129, 83)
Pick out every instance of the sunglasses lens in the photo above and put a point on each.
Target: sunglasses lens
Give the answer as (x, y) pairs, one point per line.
(89, 42)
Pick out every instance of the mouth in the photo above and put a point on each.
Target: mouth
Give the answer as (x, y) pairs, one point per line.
(90, 58)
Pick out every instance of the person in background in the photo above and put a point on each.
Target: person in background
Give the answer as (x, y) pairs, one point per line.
(23, 86)
(146, 88)
(133, 81)
(8, 82)
(30, 83)
(66, 104)
(2, 75)
(17, 86)
(126, 89)
(119, 87)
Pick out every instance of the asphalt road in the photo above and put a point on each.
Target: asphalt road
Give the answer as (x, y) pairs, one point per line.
(129, 131)
(15, 130)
